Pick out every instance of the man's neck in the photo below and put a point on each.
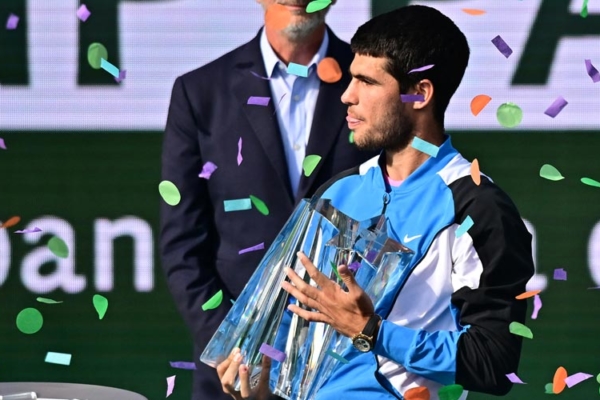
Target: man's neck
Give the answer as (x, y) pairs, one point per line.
(400, 164)
(298, 52)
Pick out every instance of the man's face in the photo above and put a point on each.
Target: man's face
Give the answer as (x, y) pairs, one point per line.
(302, 23)
(375, 113)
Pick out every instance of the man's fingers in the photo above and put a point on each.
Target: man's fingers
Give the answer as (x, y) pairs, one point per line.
(263, 384)
(244, 381)
(300, 295)
(348, 278)
(221, 368)
(228, 378)
(309, 315)
(316, 275)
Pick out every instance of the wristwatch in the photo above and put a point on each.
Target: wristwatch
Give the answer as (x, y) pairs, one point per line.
(365, 340)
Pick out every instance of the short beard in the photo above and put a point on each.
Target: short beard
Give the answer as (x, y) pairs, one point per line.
(302, 30)
(394, 134)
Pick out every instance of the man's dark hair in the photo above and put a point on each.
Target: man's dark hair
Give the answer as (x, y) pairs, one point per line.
(412, 37)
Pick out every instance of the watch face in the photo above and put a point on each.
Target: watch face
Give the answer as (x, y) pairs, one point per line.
(362, 344)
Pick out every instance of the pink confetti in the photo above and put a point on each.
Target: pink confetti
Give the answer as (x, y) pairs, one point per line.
(170, 384)
(537, 306)
(12, 22)
(83, 13)
(410, 98)
(31, 230)
(259, 246)
(207, 170)
(560, 274)
(592, 71)
(576, 378)
(239, 156)
(421, 69)
(556, 107)
(259, 101)
(272, 352)
(122, 76)
(514, 378)
(502, 46)
(2, 144)
(183, 365)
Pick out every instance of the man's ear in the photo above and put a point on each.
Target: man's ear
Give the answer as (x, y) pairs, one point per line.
(424, 87)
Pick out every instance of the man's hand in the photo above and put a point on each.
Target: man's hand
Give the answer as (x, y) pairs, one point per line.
(347, 312)
(232, 366)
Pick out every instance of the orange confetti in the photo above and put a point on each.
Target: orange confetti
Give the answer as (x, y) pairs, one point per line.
(475, 173)
(527, 295)
(277, 17)
(11, 222)
(473, 11)
(418, 393)
(329, 70)
(558, 383)
(479, 102)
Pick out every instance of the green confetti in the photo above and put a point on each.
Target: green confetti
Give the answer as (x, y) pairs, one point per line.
(450, 392)
(47, 301)
(584, 9)
(337, 356)
(58, 247)
(549, 172)
(29, 321)
(334, 268)
(590, 182)
(169, 193)
(548, 388)
(213, 302)
(96, 52)
(310, 163)
(260, 205)
(598, 378)
(100, 304)
(509, 115)
(317, 5)
(351, 137)
(519, 329)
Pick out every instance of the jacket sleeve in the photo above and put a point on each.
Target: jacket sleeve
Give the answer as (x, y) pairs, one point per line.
(188, 239)
(497, 251)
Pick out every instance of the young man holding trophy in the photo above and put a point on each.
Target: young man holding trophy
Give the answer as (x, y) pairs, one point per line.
(443, 319)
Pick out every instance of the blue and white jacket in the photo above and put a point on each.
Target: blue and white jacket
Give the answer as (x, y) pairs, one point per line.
(449, 320)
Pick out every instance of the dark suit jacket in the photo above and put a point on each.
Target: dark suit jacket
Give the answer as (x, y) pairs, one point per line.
(199, 240)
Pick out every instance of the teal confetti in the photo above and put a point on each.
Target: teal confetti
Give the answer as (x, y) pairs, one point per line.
(297, 69)
(425, 147)
(464, 227)
(237, 205)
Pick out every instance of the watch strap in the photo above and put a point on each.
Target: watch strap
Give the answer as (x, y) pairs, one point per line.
(370, 328)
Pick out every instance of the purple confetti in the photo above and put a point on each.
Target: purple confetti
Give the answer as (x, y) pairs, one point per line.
(502, 46)
(30, 230)
(207, 170)
(576, 378)
(2, 144)
(122, 76)
(83, 13)
(183, 364)
(260, 76)
(12, 22)
(514, 378)
(560, 274)
(421, 69)
(260, 246)
(278, 103)
(537, 306)
(272, 352)
(239, 155)
(259, 101)
(556, 107)
(592, 71)
(411, 98)
(354, 266)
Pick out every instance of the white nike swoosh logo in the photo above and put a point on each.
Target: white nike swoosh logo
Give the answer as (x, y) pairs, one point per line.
(410, 239)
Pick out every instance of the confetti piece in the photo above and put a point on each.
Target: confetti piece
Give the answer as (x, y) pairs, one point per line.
(122, 76)
(527, 295)
(297, 69)
(47, 301)
(598, 378)
(329, 71)
(100, 304)
(425, 147)
(96, 52)
(237, 205)
(558, 383)
(475, 172)
(260, 246)
(590, 182)
(170, 384)
(29, 230)
(2, 144)
(83, 13)
(335, 270)
(259, 101)
(560, 274)
(421, 69)
(272, 352)
(577, 378)
(351, 137)
(411, 98)
(169, 193)
(509, 115)
(183, 365)
(548, 388)
(260, 76)
(337, 356)
(239, 154)
(260, 205)
(12, 221)
(537, 306)
(516, 328)
(584, 9)
(108, 67)
(450, 392)
(278, 17)
(354, 266)
(556, 107)
(417, 393)
(317, 5)
(514, 378)
(502, 46)
(310, 163)
(58, 247)
(12, 22)
(551, 173)
(592, 71)
(207, 170)
(478, 103)
(58, 358)
(465, 226)
(29, 321)
(213, 302)
(473, 11)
